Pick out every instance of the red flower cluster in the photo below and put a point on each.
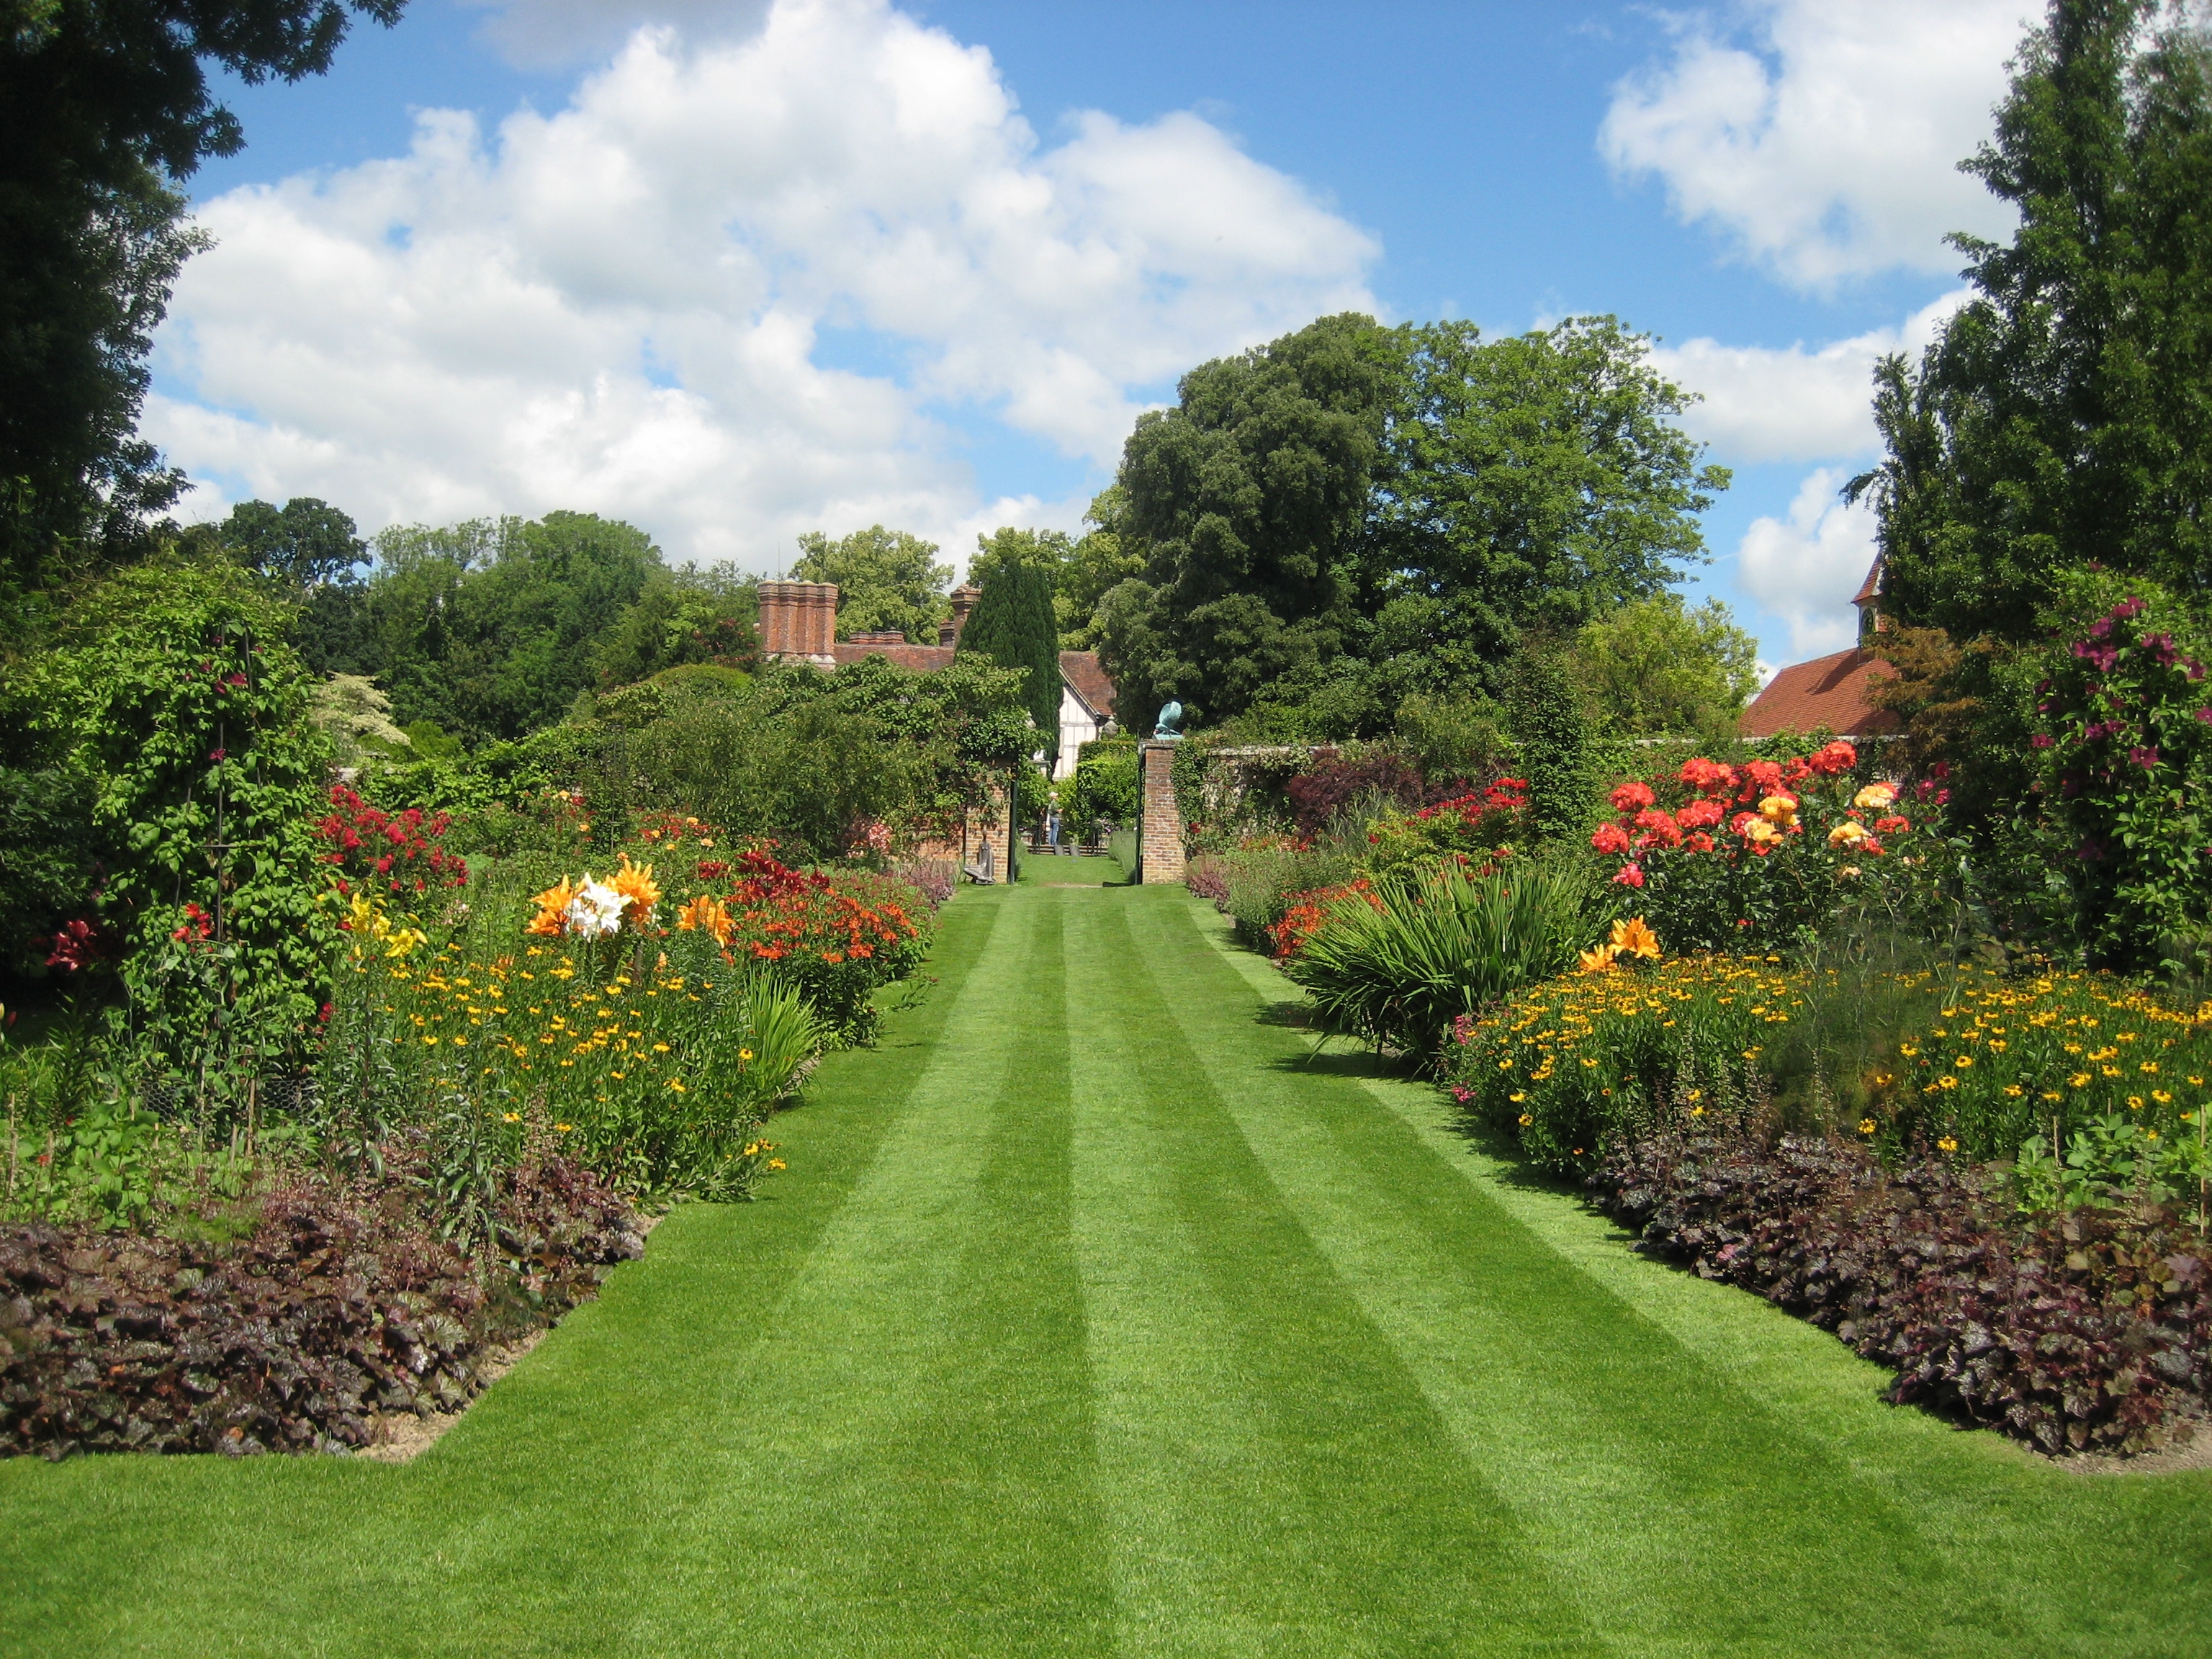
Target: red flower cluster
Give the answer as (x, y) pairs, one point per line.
(1762, 790)
(76, 947)
(1506, 796)
(761, 877)
(398, 852)
(198, 925)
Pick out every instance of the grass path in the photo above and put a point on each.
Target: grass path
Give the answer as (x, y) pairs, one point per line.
(1093, 1318)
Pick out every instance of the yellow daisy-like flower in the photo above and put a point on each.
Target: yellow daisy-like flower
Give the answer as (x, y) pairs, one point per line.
(1866, 1126)
(1947, 1145)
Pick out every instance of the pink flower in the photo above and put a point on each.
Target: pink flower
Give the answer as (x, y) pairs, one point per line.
(1629, 876)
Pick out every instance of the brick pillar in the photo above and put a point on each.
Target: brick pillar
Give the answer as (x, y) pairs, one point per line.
(1160, 824)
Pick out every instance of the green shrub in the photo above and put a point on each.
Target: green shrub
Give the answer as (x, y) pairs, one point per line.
(1553, 740)
(1266, 876)
(1105, 785)
(188, 719)
(1397, 968)
(2127, 762)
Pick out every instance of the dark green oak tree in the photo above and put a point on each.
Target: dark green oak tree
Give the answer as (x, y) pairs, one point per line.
(105, 110)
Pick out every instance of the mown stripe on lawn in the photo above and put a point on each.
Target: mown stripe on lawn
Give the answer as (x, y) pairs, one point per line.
(1277, 1482)
(1755, 1429)
(910, 1467)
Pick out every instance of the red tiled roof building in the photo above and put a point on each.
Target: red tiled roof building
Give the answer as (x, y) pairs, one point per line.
(1830, 692)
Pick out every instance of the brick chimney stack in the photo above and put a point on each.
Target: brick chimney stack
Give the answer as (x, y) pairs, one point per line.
(963, 601)
(798, 623)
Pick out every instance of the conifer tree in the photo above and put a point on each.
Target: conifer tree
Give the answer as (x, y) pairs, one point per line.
(2064, 417)
(1013, 626)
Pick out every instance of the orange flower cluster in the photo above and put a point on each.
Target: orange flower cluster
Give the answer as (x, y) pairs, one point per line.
(592, 907)
(1308, 911)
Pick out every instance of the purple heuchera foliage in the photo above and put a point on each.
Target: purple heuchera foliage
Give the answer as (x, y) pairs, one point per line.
(293, 1339)
(2090, 1334)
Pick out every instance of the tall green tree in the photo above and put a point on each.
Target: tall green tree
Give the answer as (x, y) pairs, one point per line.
(105, 110)
(299, 545)
(886, 578)
(1013, 626)
(1528, 484)
(1366, 515)
(2064, 418)
(1250, 498)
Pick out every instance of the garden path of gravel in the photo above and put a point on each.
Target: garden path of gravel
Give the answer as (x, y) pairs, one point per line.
(1090, 1318)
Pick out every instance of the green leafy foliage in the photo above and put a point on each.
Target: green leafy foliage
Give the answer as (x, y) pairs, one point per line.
(1656, 667)
(1532, 483)
(886, 579)
(2127, 762)
(1104, 786)
(2064, 416)
(1551, 735)
(190, 730)
(103, 111)
(1247, 497)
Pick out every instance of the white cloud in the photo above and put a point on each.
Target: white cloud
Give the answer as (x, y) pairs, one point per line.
(1764, 404)
(1822, 138)
(620, 306)
(1805, 569)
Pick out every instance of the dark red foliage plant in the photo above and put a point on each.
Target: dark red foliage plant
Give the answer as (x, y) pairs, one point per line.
(1317, 794)
(2086, 1333)
(391, 852)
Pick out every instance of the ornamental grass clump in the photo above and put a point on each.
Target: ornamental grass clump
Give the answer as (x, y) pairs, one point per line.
(1397, 963)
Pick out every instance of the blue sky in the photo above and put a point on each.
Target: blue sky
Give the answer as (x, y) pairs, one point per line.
(830, 261)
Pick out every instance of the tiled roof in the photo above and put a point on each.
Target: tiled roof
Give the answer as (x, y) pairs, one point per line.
(923, 658)
(1827, 691)
(1082, 670)
(1870, 589)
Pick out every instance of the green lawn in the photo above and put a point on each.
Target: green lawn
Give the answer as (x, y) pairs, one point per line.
(1089, 1319)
